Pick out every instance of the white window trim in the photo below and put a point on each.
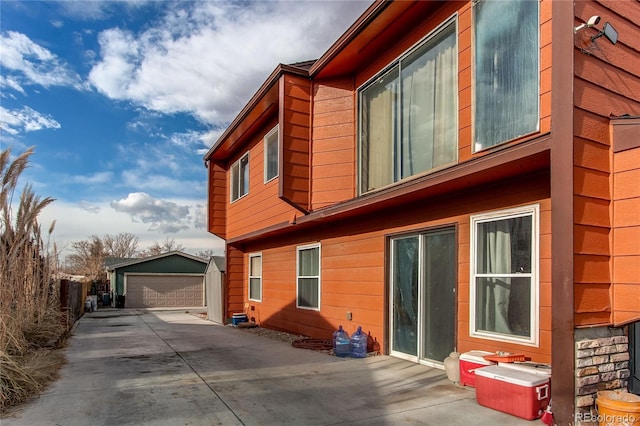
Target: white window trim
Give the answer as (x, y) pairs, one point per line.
(298, 276)
(266, 137)
(251, 256)
(237, 162)
(534, 212)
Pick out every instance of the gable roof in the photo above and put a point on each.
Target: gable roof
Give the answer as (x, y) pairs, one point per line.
(158, 256)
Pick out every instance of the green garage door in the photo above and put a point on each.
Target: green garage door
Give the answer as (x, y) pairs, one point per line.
(164, 291)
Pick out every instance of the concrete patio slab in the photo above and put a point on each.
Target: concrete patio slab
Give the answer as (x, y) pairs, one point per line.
(135, 367)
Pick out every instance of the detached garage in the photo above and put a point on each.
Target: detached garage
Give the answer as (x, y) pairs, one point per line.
(168, 280)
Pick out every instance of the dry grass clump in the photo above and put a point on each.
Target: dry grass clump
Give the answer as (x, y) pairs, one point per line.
(30, 319)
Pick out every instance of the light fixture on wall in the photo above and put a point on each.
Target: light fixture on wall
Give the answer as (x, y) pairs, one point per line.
(592, 22)
(609, 32)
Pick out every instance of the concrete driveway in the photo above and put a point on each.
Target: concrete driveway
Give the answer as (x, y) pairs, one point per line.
(129, 367)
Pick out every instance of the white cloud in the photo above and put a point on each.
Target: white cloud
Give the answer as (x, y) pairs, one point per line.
(92, 10)
(25, 120)
(32, 64)
(163, 216)
(207, 58)
(93, 179)
(77, 221)
(89, 207)
(9, 82)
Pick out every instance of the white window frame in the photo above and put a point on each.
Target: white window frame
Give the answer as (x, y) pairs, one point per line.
(534, 212)
(318, 277)
(267, 138)
(234, 178)
(252, 276)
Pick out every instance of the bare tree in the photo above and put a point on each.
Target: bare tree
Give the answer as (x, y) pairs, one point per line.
(165, 247)
(88, 258)
(123, 245)
(205, 254)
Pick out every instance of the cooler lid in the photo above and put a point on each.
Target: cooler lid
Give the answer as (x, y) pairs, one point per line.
(509, 375)
(477, 357)
(529, 367)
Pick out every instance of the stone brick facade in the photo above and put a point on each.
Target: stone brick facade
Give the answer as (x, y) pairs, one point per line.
(602, 363)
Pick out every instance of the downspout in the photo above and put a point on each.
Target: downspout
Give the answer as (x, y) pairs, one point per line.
(562, 289)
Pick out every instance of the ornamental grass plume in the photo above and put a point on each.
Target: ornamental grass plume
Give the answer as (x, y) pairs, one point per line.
(30, 317)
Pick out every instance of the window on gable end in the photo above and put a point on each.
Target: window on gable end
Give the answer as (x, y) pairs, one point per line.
(239, 178)
(271, 154)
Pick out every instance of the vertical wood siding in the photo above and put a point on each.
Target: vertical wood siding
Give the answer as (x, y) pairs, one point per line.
(334, 142)
(354, 277)
(218, 199)
(607, 81)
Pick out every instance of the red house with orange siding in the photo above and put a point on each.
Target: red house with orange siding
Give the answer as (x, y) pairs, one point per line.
(449, 176)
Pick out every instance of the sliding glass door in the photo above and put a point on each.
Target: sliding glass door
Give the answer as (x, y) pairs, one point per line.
(422, 294)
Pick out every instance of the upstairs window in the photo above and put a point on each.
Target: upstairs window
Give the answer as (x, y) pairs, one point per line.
(408, 114)
(271, 148)
(506, 71)
(240, 178)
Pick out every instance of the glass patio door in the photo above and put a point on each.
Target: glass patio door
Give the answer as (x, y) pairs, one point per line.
(422, 294)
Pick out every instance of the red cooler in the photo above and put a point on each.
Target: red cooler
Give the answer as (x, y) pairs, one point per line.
(519, 393)
(469, 362)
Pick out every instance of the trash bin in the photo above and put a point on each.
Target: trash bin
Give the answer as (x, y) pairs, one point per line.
(120, 301)
(618, 408)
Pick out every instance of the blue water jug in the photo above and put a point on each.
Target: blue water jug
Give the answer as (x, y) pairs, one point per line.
(359, 344)
(342, 343)
(335, 333)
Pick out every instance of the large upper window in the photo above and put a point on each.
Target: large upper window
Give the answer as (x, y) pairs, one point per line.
(255, 277)
(504, 275)
(505, 70)
(408, 114)
(271, 155)
(308, 272)
(240, 178)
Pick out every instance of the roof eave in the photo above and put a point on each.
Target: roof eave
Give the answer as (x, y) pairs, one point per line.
(352, 32)
(254, 102)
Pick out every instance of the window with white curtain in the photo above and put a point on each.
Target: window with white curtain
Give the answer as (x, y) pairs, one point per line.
(408, 114)
(506, 92)
(504, 275)
(271, 155)
(255, 277)
(239, 178)
(308, 277)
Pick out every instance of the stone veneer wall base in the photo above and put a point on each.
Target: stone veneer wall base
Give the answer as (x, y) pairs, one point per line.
(602, 363)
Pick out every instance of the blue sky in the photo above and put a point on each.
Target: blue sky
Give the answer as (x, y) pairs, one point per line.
(121, 100)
